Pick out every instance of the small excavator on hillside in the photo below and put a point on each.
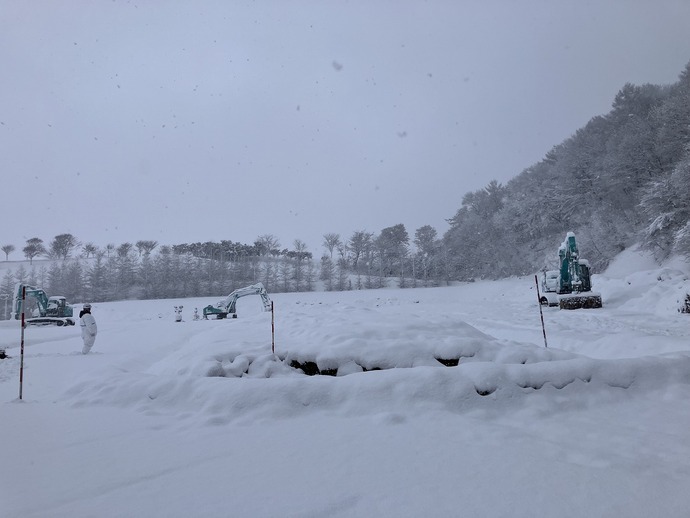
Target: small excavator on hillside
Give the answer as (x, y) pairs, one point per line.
(574, 280)
(226, 307)
(45, 310)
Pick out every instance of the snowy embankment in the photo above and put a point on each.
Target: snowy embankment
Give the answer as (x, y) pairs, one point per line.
(200, 417)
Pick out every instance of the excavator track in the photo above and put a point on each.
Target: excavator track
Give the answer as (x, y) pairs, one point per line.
(586, 300)
(49, 321)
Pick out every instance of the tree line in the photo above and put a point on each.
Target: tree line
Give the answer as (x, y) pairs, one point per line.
(145, 270)
(623, 178)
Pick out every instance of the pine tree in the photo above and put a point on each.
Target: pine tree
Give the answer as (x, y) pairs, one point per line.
(7, 294)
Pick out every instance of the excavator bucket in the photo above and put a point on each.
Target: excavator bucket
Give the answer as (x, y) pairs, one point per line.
(582, 300)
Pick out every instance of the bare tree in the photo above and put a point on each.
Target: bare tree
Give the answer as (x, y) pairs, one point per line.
(89, 249)
(146, 247)
(62, 245)
(266, 244)
(8, 249)
(331, 242)
(358, 245)
(392, 244)
(34, 247)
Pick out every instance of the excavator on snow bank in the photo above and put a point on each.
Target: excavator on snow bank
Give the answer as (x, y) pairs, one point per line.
(226, 307)
(574, 280)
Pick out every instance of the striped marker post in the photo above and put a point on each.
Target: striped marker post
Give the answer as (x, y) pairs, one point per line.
(273, 330)
(21, 354)
(541, 313)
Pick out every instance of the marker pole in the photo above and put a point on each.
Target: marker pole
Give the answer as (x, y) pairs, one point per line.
(541, 313)
(21, 361)
(273, 330)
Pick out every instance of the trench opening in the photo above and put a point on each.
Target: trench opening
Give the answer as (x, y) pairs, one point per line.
(312, 369)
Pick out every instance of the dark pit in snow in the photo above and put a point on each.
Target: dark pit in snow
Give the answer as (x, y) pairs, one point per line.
(312, 369)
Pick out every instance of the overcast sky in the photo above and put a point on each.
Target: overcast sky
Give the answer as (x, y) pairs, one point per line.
(207, 120)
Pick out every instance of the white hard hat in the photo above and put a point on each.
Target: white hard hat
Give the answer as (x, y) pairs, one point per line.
(87, 306)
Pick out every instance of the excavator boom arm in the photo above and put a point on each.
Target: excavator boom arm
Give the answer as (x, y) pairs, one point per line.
(227, 306)
(30, 292)
(53, 310)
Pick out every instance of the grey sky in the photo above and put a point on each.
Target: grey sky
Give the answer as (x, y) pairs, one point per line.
(208, 120)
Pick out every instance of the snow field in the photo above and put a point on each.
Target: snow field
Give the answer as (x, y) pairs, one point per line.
(200, 418)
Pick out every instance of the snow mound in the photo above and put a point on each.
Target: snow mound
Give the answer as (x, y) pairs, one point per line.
(223, 373)
(271, 389)
(630, 261)
(635, 282)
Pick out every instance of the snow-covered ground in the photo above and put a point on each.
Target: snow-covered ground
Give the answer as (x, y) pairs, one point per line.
(199, 418)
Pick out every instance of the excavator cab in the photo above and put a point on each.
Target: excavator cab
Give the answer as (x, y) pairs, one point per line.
(57, 307)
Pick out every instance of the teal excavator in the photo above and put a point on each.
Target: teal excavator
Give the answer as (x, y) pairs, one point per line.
(575, 282)
(227, 306)
(41, 309)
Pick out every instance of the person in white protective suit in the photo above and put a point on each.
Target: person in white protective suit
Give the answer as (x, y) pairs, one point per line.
(88, 328)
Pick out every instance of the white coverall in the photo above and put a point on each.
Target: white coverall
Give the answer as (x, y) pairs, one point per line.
(88, 331)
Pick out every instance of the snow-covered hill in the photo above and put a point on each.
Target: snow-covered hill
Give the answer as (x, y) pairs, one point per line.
(200, 418)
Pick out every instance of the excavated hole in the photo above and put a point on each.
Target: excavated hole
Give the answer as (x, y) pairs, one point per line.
(535, 386)
(485, 391)
(309, 368)
(312, 369)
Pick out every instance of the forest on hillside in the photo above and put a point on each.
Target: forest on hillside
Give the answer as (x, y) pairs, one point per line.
(622, 179)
